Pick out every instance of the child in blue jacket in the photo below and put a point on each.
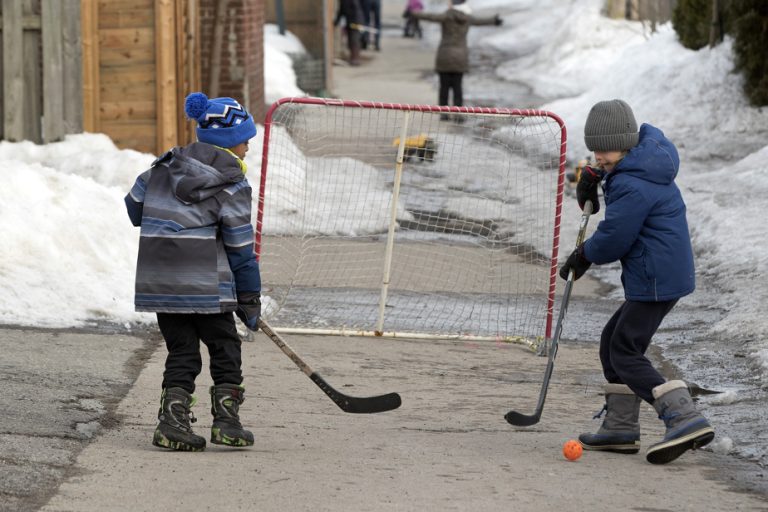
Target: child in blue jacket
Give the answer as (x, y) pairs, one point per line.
(645, 228)
(196, 266)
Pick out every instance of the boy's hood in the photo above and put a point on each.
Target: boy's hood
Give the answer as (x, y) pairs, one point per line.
(654, 159)
(199, 171)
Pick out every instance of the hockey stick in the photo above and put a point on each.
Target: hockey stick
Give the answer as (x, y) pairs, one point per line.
(361, 405)
(524, 420)
(363, 28)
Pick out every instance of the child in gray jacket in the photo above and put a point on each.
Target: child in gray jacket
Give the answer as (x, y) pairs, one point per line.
(196, 266)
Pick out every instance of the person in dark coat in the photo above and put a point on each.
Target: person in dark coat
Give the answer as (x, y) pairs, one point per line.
(354, 21)
(645, 228)
(452, 59)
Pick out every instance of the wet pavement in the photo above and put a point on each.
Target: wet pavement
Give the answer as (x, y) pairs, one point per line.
(59, 388)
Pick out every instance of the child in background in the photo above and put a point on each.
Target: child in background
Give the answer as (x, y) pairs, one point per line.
(412, 27)
(645, 228)
(196, 265)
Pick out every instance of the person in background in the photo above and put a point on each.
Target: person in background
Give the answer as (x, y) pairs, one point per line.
(645, 228)
(196, 265)
(352, 13)
(372, 17)
(412, 27)
(452, 59)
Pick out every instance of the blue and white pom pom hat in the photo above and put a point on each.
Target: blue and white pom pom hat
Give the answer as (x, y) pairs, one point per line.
(222, 122)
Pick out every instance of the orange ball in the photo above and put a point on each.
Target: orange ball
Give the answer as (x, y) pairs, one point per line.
(572, 450)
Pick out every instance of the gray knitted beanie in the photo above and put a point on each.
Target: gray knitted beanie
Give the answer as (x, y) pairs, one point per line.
(611, 126)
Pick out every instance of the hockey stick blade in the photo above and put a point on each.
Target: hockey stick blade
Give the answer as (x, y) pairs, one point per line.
(358, 405)
(350, 404)
(522, 420)
(525, 420)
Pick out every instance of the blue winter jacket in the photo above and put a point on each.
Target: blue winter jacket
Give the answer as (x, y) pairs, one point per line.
(645, 225)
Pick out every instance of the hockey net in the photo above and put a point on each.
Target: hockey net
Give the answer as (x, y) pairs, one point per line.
(404, 220)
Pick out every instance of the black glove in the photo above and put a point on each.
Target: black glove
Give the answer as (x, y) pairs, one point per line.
(497, 20)
(576, 262)
(586, 189)
(249, 309)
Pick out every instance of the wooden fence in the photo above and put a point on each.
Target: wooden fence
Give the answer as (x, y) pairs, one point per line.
(652, 11)
(41, 69)
(119, 67)
(140, 59)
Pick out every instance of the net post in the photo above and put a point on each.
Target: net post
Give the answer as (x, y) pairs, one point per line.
(392, 221)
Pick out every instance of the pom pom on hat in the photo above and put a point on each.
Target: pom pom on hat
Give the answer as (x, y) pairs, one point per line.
(195, 105)
(223, 122)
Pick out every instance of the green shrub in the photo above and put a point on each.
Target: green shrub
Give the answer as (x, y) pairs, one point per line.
(744, 20)
(692, 20)
(750, 46)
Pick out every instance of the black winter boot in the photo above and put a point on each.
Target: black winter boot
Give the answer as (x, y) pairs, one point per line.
(620, 431)
(687, 429)
(226, 428)
(174, 430)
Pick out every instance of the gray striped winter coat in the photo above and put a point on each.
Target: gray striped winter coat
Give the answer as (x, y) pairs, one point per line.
(196, 243)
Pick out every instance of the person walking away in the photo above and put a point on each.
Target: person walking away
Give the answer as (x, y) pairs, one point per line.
(352, 13)
(452, 59)
(372, 17)
(645, 228)
(412, 27)
(196, 265)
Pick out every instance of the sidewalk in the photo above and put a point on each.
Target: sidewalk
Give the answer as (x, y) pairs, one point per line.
(447, 448)
(400, 73)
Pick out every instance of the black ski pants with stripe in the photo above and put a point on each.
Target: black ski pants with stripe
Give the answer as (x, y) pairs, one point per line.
(625, 340)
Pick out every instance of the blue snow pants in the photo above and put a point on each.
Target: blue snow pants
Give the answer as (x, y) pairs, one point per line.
(623, 344)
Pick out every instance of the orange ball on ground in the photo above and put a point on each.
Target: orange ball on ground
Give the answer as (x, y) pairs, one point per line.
(572, 450)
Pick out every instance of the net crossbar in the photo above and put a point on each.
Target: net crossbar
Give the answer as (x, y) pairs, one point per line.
(410, 220)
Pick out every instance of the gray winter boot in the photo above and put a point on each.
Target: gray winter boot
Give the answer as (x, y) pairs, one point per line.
(687, 429)
(620, 431)
(225, 404)
(174, 430)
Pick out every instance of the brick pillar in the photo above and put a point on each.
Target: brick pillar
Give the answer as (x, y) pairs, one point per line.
(240, 61)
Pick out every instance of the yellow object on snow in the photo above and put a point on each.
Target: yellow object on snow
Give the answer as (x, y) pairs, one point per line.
(415, 141)
(420, 146)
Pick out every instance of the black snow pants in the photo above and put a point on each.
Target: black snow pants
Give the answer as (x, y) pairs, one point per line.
(183, 332)
(623, 344)
(451, 81)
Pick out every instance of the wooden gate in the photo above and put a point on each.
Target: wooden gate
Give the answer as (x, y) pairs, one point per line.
(40, 72)
(120, 67)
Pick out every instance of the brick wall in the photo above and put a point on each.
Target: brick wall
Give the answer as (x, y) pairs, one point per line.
(241, 59)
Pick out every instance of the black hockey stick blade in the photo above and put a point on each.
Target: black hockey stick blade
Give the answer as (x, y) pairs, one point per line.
(526, 420)
(351, 404)
(522, 420)
(696, 390)
(358, 405)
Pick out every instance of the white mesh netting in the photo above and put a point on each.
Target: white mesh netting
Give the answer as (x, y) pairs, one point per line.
(469, 249)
